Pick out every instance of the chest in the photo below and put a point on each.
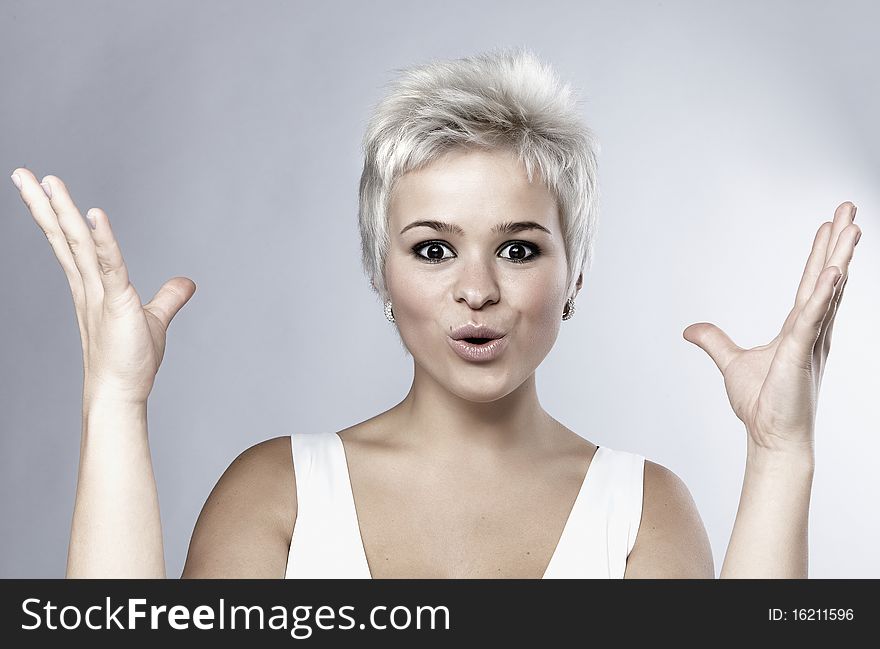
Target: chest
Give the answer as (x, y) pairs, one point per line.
(435, 525)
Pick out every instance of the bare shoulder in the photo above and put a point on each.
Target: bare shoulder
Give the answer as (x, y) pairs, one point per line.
(672, 542)
(245, 525)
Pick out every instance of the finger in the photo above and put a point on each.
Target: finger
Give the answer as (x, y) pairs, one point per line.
(815, 264)
(712, 340)
(112, 271)
(841, 258)
(170, 298)
(824, 342)
(800, 342)
(843, 217)
(79, 240)
(843, 252)
(36, 200)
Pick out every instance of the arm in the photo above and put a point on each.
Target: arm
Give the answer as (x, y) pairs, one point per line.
(769, 538)
(672, 542)
(774, 390)
(116, 530)
(245, 527)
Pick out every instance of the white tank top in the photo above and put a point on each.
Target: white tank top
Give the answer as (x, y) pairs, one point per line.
(326, 542)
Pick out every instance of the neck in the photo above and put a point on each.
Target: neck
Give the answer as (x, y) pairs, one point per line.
(439, 422)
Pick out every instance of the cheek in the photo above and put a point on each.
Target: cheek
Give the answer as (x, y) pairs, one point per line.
(540, 317)
(416, 297)
(539, 301)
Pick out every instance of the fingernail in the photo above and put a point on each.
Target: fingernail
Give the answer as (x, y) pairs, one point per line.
(90, 219)
(854, 209)
(858, 236)
(16, 181)
(46, 188)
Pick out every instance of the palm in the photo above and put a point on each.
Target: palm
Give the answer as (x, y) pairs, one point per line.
(744, 379)
(773, 389)
(131, 350)
(775, 400)
(157, 335)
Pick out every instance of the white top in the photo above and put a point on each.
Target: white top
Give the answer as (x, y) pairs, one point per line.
(326, 543)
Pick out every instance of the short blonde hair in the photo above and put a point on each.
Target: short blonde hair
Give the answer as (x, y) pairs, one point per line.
(503, 98)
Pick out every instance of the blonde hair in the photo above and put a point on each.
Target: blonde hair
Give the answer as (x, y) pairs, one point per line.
(502, 98)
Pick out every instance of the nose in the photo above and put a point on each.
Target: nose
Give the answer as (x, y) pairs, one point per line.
(477, 284)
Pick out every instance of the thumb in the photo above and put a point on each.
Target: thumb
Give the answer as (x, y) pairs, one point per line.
(170, 298)
(713, 341)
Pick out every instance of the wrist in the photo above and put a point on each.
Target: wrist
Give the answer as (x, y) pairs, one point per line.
(796, 458)
(114, 421)
(111, 396)
(107, 402)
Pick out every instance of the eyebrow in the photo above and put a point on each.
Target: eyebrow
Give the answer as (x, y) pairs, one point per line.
(507, 227)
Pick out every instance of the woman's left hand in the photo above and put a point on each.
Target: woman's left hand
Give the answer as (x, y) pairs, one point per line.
(774, 388)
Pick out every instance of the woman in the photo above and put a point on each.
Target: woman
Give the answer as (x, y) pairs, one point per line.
(478, 205)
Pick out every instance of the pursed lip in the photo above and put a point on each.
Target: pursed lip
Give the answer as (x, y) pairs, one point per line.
(471, 330)
(479, 353)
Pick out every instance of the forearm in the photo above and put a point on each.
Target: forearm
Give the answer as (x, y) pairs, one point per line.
(770, 534)
(116, 530)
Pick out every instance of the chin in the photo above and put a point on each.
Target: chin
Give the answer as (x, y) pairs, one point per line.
(482, 389)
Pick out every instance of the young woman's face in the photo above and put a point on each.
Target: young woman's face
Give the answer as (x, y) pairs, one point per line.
(512, 280)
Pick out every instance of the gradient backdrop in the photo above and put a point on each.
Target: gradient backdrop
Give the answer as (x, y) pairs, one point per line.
(223, 140)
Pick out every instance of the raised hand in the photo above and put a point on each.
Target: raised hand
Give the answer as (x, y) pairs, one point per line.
(774, 388)
(123, 341)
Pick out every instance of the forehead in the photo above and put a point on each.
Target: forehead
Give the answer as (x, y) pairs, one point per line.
(473, 186)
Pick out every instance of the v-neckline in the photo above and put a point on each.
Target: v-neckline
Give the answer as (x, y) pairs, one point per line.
(565, 527)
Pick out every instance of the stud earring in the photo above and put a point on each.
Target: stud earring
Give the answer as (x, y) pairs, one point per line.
(389, 314)
(568, 311)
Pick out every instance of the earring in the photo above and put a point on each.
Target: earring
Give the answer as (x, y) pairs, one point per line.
(389, 314)
(568, 311)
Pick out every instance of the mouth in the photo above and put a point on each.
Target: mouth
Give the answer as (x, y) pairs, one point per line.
(476, 334)
(478, 350)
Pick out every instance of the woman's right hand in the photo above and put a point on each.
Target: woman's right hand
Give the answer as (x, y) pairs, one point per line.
(123, 341)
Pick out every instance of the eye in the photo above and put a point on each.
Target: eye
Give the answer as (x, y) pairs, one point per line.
(434, 250)
(520, 247)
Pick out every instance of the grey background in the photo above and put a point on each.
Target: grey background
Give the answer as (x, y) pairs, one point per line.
(223, 140)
